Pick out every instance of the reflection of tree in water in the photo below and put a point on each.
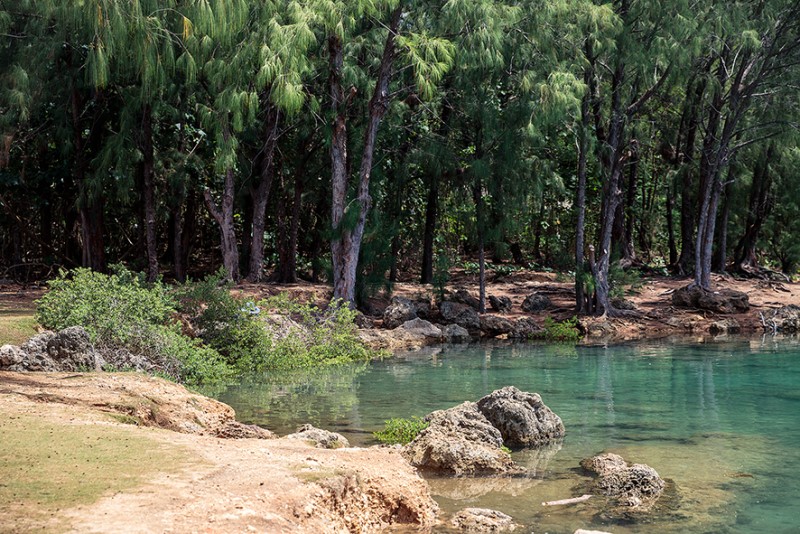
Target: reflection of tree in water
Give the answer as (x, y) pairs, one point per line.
(325, 397)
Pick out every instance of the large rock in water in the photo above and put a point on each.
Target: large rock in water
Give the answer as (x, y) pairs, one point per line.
(460, 314)
(494, 325)
(459, 441)
(723, 301)
(636, 487)
(482, 520)
(67, 350)
(398, 312)
(522, 418)
(785, 319)
(453, 333)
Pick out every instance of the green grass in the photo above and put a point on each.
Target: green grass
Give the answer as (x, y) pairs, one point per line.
(47, 467)
(16, 326)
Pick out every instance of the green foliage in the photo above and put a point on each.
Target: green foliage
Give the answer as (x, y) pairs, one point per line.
(401, 431)
(562, 332)
(441, 274)
(623, 282)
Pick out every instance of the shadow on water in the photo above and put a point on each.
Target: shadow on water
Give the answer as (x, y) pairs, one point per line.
(718, 420)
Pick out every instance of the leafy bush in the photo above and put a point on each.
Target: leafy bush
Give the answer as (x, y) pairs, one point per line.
(401, 430)
(564, 331)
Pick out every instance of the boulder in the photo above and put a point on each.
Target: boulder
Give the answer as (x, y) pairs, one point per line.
(723, 301)
(67, 350)
(725, 326)
(362, 321)
(633, 487)
(536, 302)
(525, 328)
(785, 319)
(465, 297)
(494, 325)
(237, 430)
(482, 520)
(522, 418)
(459, 441)
(420, 328)
(453, 333)
(623, 304)
(323, 439)
(500, 304)
(460, 314)
(398, 312)
(124, 360)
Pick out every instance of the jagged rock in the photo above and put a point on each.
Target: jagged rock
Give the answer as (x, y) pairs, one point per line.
(536, 302)
(522, 418)
(482, 520)
(636, 487)
(599, 328)
(460, 314)
(362, 321)
(323, 438)
(623, 304)
(124, 360)
(68, 350)
(500, 304)
(420, 328)
(459, 441)
(725, 326)
(237, 430)
(494, 325)
(398, 312)
(785, 319)
(465, 297)
(423, 308)
(525, 328)
(723, 301)
(453, 333)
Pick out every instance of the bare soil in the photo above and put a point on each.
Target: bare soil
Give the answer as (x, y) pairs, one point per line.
(205, 484)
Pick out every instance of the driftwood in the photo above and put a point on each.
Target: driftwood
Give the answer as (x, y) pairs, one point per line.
(574, 500)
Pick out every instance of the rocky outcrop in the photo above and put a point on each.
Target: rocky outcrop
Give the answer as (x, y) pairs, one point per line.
(725, 326)
(460, 314)
(634, 487)
(500, 304)
(413, 334)
(785, 319)
(459, 441)
(494, 325)
(68, 350)
(398, 312)
(723, 301)
(322, 439)
(453, 333)
(525, 328)
(522, 418)
(623, 304)
(465, 297)
(482, 520)
(536, 302)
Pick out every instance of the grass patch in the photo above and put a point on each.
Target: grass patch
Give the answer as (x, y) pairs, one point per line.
(46, 467)
(16, 327)
(399, 430)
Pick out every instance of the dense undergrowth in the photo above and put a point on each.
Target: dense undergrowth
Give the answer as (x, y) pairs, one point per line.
(198, 332)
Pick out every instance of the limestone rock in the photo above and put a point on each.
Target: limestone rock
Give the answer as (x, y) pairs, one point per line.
(453, 333)
(237, 430)
(465, 297)
(724, 301)
(482, 520)
(525, 328)
(67, 350)
(323, 438)
(420, 328)
(536, 302)
(785, 319)
(460, 314)
(635, 487)
(10, 355)
(500, 304)
(623, 304)
(725, 326)
(362, 321)
(413, 334)
(398, 312)
(494, 325)
(459, 441)
(522, 418)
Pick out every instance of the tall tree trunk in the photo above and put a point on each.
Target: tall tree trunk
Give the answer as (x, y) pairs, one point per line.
(669, 208)
(346, 242)
(260, 194)
(223, 215)
(429, 235)
(147, 168)
(580, 195)
(759, 209)
(719, 261)
(477, 194)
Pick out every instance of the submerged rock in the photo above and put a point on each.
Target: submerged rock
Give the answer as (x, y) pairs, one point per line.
(522, 418)
(482, 520)
(322, 438)
(635, 487)
(459, 441)
(723, 301)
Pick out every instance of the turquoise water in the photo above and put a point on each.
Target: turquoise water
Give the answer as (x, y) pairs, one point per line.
(720, 420)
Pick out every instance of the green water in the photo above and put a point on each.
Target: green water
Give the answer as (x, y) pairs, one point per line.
(720, 420)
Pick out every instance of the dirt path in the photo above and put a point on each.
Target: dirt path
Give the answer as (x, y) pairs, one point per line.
(183, 482)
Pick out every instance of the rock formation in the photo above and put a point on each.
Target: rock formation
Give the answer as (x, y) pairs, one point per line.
(522, 418)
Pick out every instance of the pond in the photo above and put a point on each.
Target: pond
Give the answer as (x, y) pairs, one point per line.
(721, 420)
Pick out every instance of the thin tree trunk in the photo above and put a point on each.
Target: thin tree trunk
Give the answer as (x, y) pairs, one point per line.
(759, 209)
(673, 249)
(431, 213)
(580, 196)
(224, 216)
(149, 194)
(260, 195)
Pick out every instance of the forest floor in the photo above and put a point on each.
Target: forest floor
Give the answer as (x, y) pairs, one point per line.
(70, 463)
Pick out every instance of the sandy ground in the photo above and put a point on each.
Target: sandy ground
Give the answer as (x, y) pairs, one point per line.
(242, 485)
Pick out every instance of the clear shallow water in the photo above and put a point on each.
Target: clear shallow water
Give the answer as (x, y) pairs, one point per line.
(721, 420)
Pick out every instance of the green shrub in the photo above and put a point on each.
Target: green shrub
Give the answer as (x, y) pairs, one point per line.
(564, 331)
(401, 430)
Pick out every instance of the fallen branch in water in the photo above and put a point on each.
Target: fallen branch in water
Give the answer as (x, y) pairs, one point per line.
(574, 500)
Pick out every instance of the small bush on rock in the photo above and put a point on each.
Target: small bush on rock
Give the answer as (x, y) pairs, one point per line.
(402, 431)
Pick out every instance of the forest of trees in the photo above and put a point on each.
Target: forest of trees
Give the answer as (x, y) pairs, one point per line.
(358, 141)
